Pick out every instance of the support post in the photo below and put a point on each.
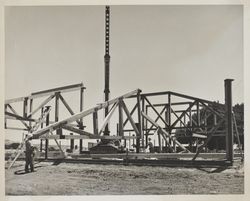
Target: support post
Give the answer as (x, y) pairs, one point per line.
(41, 141)
(95, 122)
(46, 140)
(25, 107)
(120, 130)
(57, 94)
(81, 119)
(71, 143)
(31, 106)
(229, 122)
(140, 119)
(198, 114)
(143, 122)
(5, 120)
(146, 125)
(169, 118)
(137, 140)
(159, 142)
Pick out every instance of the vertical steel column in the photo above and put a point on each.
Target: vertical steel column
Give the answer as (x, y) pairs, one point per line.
(95, 122)
(205, 123)
(31, 106)
(140, 119)
(71, 143)
(159, 142)
(81, 120)
(120, 110)
(41, 140)
(25, 109)
(58, 131)
(198, 114)
(143, 122)
(146, 126)
(166, 126)
(229, 120)
(46, 140)
(107, 64)
(169, 118)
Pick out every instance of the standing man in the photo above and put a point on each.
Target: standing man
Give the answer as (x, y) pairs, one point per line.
(29, 154)
(151, 146)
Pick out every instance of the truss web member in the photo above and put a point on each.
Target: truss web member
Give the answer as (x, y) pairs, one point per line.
(29, 154)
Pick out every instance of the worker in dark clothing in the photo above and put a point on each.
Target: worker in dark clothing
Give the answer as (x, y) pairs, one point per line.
(151, 146)
(29, 155)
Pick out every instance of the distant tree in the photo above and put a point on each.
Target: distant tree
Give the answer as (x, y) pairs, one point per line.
(218, 141)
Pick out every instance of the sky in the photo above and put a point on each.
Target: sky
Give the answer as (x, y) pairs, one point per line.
(186, 49)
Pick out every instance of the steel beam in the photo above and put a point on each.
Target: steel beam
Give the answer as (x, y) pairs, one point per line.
(229, 120)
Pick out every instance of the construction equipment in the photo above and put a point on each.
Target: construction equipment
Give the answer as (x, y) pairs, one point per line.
(107, 62)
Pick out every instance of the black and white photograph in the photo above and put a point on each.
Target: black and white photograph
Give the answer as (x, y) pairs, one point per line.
(124, 100)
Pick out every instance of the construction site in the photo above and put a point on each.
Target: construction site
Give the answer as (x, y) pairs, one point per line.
(169, 142)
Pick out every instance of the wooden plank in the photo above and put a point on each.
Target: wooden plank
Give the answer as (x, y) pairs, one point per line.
(14, 128)
(159, 142)
(198, 114)
(14, 111)
(25, 107)
(41, 105)
(76, 130)
(55, 90)
(81, 104)
(199, 135)
(130, 118)
(161, 155)
(194, 98)
(120, 119)
(31, 107)
(9, 115)
(14, 100)
(163, 120)
(169, 110)
(163, 131)
(66, 104)
(131, 113)
(82, 114)
(95, 122)
(190, 106)
(157, 118)
(5, 119)
(57, 106)
(46, 93)
(107, 118)
(68, 107)
(174, 103)
(140, 119)
(178, 117)
(66, 137)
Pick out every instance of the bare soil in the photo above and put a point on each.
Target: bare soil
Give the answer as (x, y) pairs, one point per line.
(86, 179)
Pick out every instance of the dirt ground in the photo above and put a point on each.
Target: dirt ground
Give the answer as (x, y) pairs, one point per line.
(86, 179)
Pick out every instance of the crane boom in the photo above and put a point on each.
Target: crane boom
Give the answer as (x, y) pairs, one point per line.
(106, 64)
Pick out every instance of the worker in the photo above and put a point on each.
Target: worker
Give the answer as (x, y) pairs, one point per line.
(29, 154)
(151, 146)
